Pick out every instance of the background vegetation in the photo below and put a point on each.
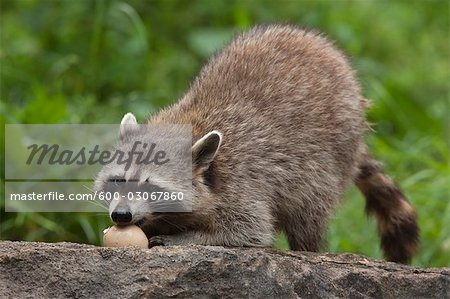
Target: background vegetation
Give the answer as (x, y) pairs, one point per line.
(91, 61)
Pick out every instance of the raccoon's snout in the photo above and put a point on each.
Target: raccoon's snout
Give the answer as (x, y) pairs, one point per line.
(121, 216)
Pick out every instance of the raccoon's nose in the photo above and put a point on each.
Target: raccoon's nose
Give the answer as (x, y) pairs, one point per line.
(121, 216)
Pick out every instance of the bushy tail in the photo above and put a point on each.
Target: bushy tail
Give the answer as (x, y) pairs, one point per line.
(395, 215)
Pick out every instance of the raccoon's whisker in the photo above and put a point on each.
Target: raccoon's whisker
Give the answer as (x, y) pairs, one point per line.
(95, 201)
(179, 227)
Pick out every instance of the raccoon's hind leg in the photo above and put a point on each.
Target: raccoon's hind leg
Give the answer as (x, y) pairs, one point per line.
(304, 231)
(300, 241)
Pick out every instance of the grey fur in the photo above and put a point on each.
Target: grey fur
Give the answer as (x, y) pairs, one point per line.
(291, 113)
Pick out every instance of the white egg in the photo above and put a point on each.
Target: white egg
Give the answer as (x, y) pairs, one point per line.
(124, 236)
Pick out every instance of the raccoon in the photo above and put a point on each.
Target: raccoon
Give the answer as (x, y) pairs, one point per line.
(278, 120)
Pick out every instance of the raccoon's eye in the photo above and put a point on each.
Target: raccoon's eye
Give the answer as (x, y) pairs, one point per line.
(116, 180)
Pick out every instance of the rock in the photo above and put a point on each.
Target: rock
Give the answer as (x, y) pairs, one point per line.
(74, 270)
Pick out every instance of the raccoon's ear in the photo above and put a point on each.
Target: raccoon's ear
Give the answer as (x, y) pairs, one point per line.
(205, 149)
(127, 124)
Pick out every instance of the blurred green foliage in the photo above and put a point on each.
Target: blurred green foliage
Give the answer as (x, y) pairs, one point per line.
(92, 61)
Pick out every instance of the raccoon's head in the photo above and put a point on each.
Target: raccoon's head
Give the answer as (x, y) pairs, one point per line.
(177, 182)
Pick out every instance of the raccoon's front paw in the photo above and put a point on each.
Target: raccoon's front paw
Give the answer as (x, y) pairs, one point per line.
(159, 241)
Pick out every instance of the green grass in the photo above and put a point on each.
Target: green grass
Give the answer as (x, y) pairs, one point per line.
(92, 61)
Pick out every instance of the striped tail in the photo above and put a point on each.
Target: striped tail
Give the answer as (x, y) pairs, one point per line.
(396, 217)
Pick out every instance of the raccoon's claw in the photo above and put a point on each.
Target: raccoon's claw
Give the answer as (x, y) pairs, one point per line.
(156, 241)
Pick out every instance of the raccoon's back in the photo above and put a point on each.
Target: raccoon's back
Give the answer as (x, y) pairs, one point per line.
(277, 93)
